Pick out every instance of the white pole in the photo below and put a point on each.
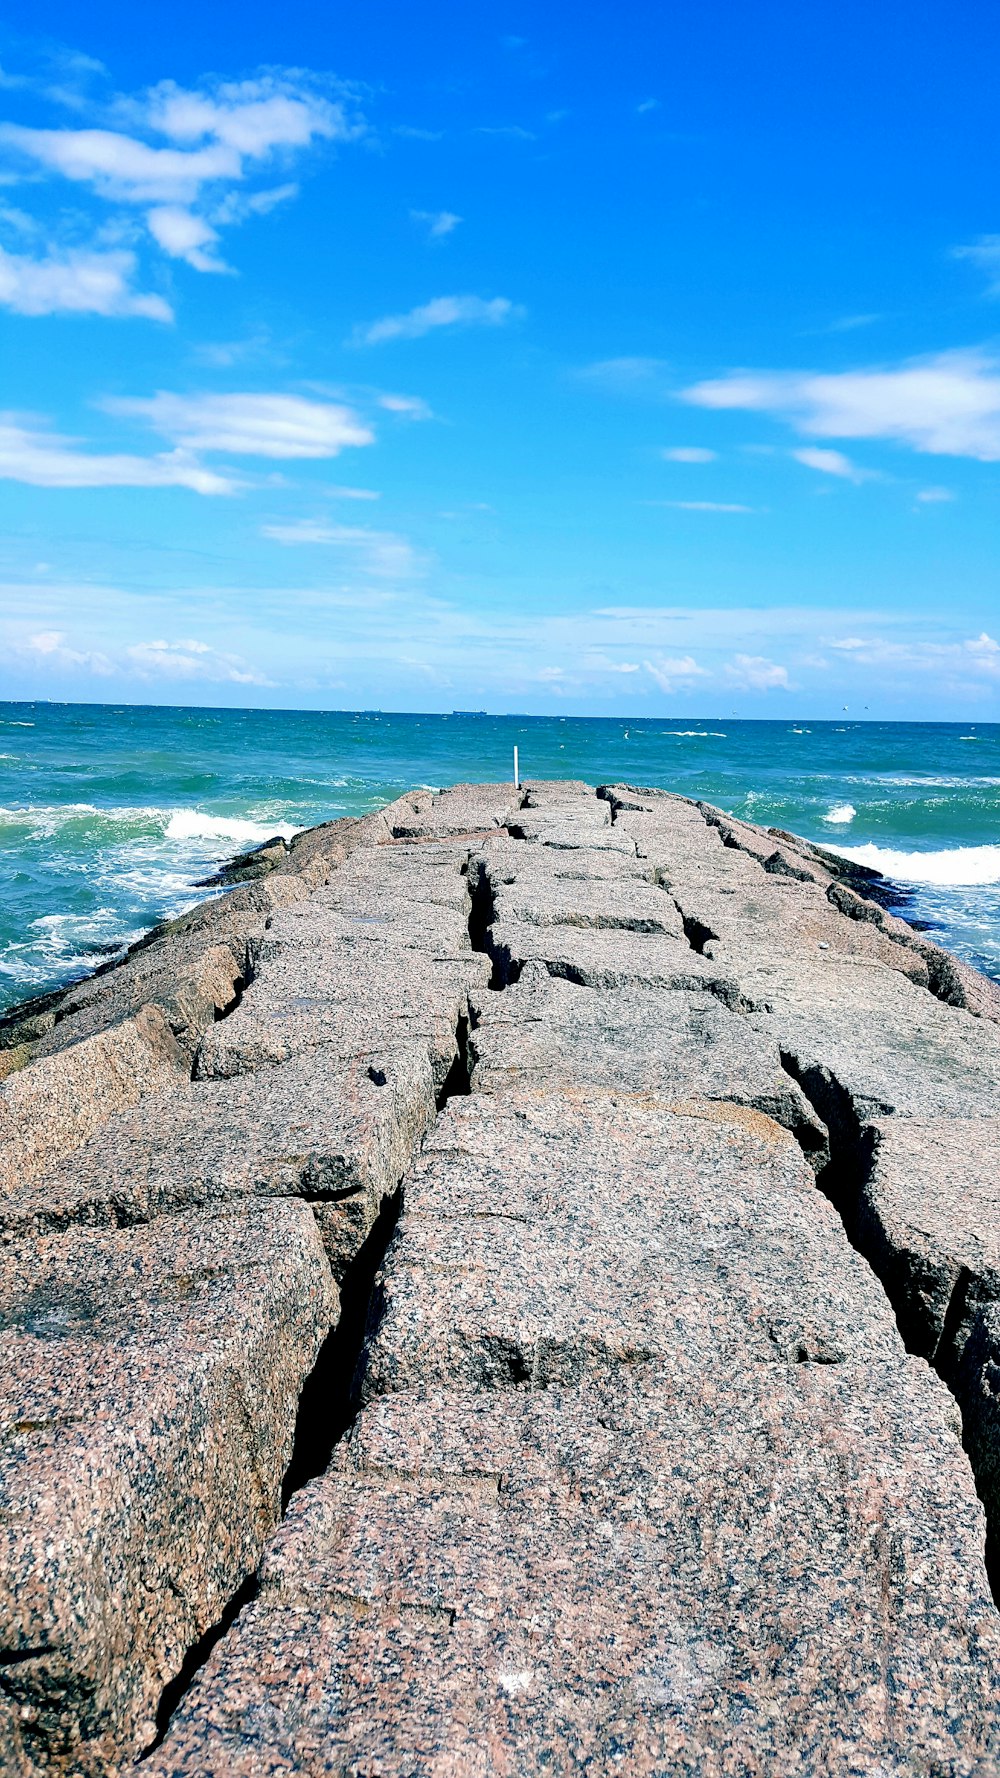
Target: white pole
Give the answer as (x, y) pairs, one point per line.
(517, 779)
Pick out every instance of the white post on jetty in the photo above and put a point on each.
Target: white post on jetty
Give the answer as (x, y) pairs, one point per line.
(517, 776)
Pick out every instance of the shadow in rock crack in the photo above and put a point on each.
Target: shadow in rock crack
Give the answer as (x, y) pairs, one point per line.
(844, 1181)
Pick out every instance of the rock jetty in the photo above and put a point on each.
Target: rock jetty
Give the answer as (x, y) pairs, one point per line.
(512, 1287)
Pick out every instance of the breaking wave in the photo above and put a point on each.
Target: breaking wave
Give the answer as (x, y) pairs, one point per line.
(190, 824)
(956, 867)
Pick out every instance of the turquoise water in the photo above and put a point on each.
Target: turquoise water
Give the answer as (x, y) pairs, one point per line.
(109, 814)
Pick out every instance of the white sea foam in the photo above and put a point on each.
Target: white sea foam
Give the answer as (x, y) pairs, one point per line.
(184, 825)
(840, 814)
(955, 867)
(701, 734)
(192, 824)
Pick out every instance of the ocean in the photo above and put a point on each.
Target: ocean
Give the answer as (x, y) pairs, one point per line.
(109, 814)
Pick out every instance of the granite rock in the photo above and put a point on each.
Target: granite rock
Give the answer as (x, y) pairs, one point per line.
(338, 1133)
(151, 1381)
(756, 1572)
(546, 1035)
(51, 1107)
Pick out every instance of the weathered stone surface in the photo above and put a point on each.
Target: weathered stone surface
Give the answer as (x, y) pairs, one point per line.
(545, 793)
(504, 860)
(190, 982)
(150, 1386)
(398, 921)
(52, 1106)
(462, 809)
(657, 1233)
(852, 1030)
(545, 1035)
(769, 1571)
(363, 999)
(628, 906)
(606, 958)
(339, 1133)
(928, 1215)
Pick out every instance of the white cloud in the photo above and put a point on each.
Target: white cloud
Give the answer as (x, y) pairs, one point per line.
(625, 376)
(122, 168)
(935, 496)
(671, 674)
(381, 553)
(646, 106)
(49, 649)
(831, 463)
(703, 505)
(850, 323)
(688, 454)
(438, 223)
(252, 117)
(76, 282)
(236, 206)
(46, 460)
(281, 426)
(189, 660)
(442, 311)
(978, 654)
(754, 672)
(410, 407)
(985, 252)
(185, 236)
(218, 139)
(948, 405)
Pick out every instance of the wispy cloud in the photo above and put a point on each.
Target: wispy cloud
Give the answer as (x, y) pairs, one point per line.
(277, 426)
(675, 674)
(78, 281)
(183, 235)
(948, 405)
(688, 454)
(851, 323)
(935, 496)
(831, 463)
(49, 648)
(515, 131)
(978, 655)
(438, 223)
(703, 505)
(985, 253)
(190, 660)
(47, 460)
(54, 651)
(441, 311)
(754, 672)
(187, 157)
(626, 376)
(380, 553)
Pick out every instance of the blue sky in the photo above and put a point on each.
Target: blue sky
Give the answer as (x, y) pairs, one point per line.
(502, 357)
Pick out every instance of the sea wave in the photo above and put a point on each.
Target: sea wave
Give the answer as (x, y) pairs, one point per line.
(901, 781)
(192, 824)
(958, 867)
(701, 734)
(840, 814)
(144, 822)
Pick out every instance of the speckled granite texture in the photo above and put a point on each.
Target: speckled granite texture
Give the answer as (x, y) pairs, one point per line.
(656, 1460)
